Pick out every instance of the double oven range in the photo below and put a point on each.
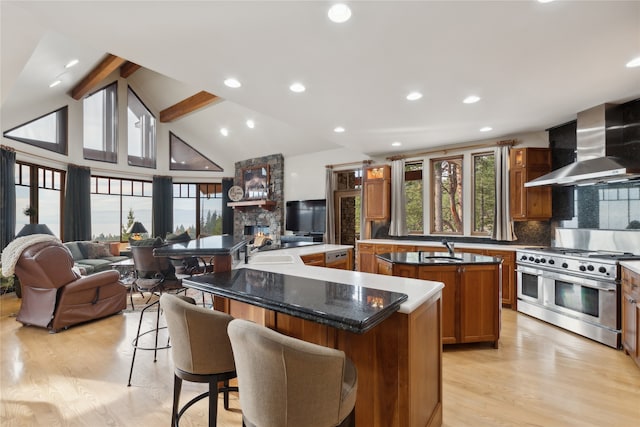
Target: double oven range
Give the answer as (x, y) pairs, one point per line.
(575, 289)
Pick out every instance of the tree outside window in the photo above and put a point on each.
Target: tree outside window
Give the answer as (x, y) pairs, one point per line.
(413, 187)
(446, 216)
(484, 193)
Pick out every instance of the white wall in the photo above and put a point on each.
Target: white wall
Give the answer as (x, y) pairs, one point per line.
(304, 175)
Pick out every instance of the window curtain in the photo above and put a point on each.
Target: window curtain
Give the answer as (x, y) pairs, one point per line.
(329, 188)
(503, 225)
(162, 206)
(77, 204)
(365, 230)
(398, 226)
(7, 196)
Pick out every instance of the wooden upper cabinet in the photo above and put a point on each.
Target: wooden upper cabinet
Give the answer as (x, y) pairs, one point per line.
(532, 203)
(377, 193)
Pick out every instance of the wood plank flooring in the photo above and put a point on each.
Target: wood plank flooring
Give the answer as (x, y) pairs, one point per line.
(539, 376)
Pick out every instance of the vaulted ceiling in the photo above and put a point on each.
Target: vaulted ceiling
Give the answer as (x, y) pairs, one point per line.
(533, 65)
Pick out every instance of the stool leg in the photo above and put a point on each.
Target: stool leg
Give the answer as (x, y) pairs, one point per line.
(225, 394)
(213, 402)
(155, 351)
(177, 388)
(135, 347)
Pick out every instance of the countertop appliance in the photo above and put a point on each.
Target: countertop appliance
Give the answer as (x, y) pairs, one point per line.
(575, 289)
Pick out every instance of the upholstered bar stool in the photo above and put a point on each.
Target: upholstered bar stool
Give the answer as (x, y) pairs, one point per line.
(154, 276)
(286, 382)
(201, 353)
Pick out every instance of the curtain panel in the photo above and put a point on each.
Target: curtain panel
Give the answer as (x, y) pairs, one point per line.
(7, 196)
(398, 226)
(162, 206)
(330, 186)
(77, 204)
(503, 225)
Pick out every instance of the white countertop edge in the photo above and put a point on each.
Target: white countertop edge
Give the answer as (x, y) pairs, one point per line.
(494, 246)
(417, 290)
(631, 265)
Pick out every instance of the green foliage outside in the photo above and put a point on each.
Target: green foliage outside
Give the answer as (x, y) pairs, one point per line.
(484, 194)
(447, 215)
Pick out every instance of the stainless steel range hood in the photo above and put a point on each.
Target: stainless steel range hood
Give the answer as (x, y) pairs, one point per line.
(600, 152)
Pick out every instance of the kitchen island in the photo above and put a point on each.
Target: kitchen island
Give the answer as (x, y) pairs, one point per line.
(471, 307)
(398, 353)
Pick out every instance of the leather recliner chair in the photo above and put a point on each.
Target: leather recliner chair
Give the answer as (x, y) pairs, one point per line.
(55, 297)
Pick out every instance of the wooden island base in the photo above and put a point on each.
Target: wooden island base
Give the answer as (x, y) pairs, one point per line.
(399, 361)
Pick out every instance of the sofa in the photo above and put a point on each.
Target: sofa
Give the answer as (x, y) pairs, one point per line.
(92, 257)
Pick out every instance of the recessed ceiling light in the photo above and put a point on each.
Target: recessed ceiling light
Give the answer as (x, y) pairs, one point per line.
(251, 124)
(232, 83)
(396, 143)
(339, 129)
(545, 1)
(486, 129)
(71, 63)
(634, 63)
(56, 83)
(414, 96)
(224, 131)
(297, 87)
(339, 13)
(471, 99)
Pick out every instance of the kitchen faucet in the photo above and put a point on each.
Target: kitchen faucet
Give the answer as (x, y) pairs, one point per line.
(449, 246)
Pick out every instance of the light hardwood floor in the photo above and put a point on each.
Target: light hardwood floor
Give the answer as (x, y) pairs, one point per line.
(539, 376)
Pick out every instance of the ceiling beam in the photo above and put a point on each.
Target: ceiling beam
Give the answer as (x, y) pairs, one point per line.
(186, 106)
(128, 68)
(95, 76)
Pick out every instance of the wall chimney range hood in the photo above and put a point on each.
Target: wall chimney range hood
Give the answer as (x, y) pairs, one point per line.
(601, 156)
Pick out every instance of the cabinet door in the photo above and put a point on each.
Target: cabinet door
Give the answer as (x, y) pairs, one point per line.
(630, 325)
(404, 270)
(377, 199)
(516, 192)
(480, 303)
(508, 276)
(384, 267)
(449, 276)
(366, 258)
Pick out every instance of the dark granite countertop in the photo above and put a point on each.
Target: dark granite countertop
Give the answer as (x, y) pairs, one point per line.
(211, 245)
(288, 245)
(437, 258)
(352, 308)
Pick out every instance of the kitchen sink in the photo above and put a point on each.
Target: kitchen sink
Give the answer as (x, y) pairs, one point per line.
(271, 259)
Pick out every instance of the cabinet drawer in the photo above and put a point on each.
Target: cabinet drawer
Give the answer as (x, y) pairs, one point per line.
(313, 259)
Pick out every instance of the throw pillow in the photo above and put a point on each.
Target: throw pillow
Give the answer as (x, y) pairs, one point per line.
(156, 243)
(176, 238)
(97, 250)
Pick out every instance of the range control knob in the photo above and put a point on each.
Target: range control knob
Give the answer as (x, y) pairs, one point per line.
(531, 258)
(602, 270)
(583, 268)
(551, 262)
(565, 265)
(543, 260)
(537, 261)
(590, 267)
(523, 257)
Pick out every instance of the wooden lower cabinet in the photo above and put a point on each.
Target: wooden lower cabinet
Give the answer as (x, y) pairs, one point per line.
(399, 361)
(319, 260)
(367, 262)
(313, 259)
(470, 299)
(631, 314)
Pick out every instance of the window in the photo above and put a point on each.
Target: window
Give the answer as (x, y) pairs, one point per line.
(48, 132)
(414, 192)
(484, 193)
(446, 191)
(141, 132)
(197, 209)
(100, 131)
(116, 204)
(40, 188)
(184, 157)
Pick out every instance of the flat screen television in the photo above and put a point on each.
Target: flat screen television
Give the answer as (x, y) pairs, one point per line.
(306, 216)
